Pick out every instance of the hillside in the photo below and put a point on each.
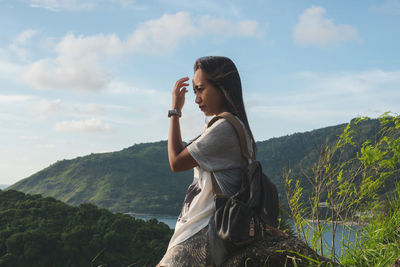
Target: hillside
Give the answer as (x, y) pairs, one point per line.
(37, 231)
(138, 179)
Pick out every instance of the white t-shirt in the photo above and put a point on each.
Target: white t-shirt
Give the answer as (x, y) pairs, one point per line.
(216, 150)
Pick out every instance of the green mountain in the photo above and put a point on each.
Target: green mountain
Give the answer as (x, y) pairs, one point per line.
(37, 231)
(298, 151)
(138, 179)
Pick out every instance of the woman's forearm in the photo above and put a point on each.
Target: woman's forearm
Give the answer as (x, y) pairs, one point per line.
(179, 157)
(175, 145)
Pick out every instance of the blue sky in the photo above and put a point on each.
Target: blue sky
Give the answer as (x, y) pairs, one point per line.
(81, 77)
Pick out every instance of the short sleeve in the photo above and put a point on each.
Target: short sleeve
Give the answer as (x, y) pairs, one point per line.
(218, 148)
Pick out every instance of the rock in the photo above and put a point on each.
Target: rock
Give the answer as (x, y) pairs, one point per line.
(396, 263)
(278, 250)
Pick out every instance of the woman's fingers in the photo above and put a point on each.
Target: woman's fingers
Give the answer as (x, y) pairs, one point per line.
(181, 83)
(184, 79)
(181, 80)
(178, 94)
(183, 92)
(184, 85)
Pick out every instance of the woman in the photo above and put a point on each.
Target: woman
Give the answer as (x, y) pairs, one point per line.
(217, 86)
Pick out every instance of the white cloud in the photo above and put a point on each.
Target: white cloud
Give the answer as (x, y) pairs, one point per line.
(46, 146)
(76, 5)
(72, 46)
(66, 73)
(30, 137)
(169, 31)
(89, 109)
(14, 98)
(9, 69)
(163, 34)
(18, 46)
(225, 27)
(58, 5)
(25, 36)
(124, 3)
(338, 95)
(314, 29)
(314, 100)
(122, 88)
(225, 8)
(83, 126)
(78, 67)
(46, 108)
(362, 83)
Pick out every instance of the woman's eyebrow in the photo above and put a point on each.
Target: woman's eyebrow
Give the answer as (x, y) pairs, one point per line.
(198, 85)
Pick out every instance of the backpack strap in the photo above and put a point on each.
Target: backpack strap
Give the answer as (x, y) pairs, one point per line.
(243, 144)
(239, 130)
(215, 188)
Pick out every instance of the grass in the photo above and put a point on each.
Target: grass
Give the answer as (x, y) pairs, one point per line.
(380, 243)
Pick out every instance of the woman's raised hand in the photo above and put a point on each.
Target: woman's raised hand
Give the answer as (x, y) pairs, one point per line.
(178, 93)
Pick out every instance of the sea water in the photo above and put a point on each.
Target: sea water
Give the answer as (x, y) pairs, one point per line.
(345, 236)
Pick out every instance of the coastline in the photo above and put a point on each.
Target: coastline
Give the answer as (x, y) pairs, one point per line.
(169, 220)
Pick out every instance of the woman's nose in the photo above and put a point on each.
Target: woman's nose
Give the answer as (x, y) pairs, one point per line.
(198, 99)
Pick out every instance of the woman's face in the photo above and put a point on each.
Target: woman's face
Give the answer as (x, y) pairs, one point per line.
(208, 97)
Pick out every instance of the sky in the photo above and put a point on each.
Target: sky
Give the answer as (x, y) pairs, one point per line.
(84, 76)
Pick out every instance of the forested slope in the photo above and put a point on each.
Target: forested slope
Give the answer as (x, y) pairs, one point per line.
(138, 178)
(37, 231)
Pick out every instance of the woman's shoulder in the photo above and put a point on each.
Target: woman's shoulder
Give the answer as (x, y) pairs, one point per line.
(224, 124)
(225, 132)
(219, 133)
(221, 125)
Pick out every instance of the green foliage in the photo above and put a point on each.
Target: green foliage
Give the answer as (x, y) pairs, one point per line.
(380, 241)
(352, 168)
(36, 231)
(344, 188)
(299, 259)
(138, 179)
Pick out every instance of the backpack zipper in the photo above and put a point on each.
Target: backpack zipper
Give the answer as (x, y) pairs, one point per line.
(251, 230)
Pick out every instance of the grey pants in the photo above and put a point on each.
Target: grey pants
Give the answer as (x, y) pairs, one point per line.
(194, 251)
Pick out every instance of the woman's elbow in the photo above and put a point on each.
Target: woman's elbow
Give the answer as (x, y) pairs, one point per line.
(176, 169)
(182, 165)
(174, 166)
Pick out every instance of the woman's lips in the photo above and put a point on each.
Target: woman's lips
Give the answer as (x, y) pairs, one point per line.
(202, 107)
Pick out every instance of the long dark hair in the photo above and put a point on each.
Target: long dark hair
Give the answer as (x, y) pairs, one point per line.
(222, 73)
